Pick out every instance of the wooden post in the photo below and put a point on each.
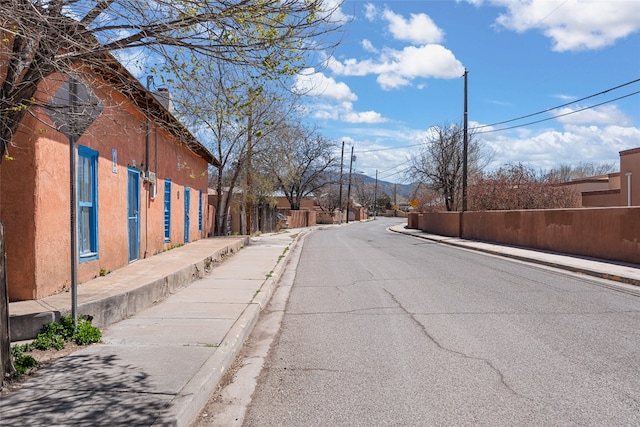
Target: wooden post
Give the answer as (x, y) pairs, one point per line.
(5, 339)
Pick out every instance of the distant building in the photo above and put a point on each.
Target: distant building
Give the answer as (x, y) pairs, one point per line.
(615, 189)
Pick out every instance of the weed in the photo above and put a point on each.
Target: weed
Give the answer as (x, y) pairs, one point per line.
(54, 335)
(22, 362)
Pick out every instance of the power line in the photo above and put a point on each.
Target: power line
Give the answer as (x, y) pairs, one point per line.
(388, 148)
(556, 116)
(559, 106)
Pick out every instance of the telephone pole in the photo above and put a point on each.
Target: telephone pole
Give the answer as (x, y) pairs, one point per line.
(349, 188)
(465, 144)
(340, 202)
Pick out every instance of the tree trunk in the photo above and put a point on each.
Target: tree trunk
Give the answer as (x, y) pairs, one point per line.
(5, 338)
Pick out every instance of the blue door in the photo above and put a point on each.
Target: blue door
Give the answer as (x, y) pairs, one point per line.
(133, 213)
(187, 204)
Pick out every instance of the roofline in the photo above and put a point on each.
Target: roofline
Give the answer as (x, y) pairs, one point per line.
(147, 102)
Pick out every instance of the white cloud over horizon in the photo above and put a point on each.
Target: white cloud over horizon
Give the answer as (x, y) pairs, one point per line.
(571, 25)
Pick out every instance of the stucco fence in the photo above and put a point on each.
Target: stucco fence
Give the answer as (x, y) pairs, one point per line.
(611, 233)
(301, 218)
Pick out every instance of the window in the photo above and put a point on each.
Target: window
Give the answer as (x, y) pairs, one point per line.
(200, 213)
(87, 203)
(167, 210)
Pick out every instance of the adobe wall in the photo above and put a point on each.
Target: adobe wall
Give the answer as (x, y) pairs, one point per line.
(35, 188)
(630, 175)
(608, 233)
(301, 218)
(440, 223)
(17, 203)
(594, 199)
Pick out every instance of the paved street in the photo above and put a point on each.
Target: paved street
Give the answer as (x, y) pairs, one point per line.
(385, 329)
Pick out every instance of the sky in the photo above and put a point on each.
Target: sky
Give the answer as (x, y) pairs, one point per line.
(399, 67)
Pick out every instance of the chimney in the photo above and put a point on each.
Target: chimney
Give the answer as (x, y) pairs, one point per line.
(166, 99)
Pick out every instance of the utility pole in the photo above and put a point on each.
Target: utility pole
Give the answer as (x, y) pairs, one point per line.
(349, 188)
(465, 144)
(375, 197)
(340, 202)
(73, 139)
(249, 153)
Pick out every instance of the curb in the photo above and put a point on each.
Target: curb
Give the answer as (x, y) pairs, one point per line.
(194, 396)
(533, 260)
(117, 307)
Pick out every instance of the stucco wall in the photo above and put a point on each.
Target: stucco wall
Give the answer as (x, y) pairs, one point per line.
(605, 198)
(441, 223)
(630, 164)
(34, 201)
(608, 233)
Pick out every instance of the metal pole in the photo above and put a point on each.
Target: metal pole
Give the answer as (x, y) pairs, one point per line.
(628, 174)
(73, 100)
(465, 142)
(349, 187)
(340, 197)
(375, 197)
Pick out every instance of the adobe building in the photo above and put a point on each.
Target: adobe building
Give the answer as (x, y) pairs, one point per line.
(614, 189)
(140, 179)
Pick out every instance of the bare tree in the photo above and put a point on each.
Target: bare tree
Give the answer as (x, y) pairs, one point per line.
(300, 161)
(440, 160)
(566, 173)
(518, 187)
(40, 38)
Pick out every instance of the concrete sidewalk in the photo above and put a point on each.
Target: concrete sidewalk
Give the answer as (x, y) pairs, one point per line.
(620, 272)
(159, 366)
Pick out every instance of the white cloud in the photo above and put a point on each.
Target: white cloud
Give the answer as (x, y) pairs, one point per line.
(363, 117)
(317, 85)
(330, 9)
(368, 46)
(370, 12)
(396, 68)
(312, 83)
(572, 25)
(546, 149)
(605, 115)
(419, 29)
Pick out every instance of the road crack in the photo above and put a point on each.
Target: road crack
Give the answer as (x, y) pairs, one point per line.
(450, 350)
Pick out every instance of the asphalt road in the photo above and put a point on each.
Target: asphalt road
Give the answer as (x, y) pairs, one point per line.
(382, 329)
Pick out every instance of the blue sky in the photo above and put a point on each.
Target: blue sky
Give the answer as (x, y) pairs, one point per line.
(398, 71)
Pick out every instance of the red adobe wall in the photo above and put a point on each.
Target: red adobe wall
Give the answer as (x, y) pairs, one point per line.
(34, 202)
(440, 223)
(594, 199)
(608, 233)
(630, 164)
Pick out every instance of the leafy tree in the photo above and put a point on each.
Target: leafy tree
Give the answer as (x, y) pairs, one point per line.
(39, 38)
(440, 160)
(518, 187)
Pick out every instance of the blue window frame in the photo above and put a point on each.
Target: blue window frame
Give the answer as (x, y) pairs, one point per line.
(200, 212)
(167, 210)
(87, 203)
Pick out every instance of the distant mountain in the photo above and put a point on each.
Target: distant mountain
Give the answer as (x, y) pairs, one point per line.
(402, 191)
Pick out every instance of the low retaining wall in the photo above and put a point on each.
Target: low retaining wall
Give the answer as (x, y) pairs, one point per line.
(609, 233)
